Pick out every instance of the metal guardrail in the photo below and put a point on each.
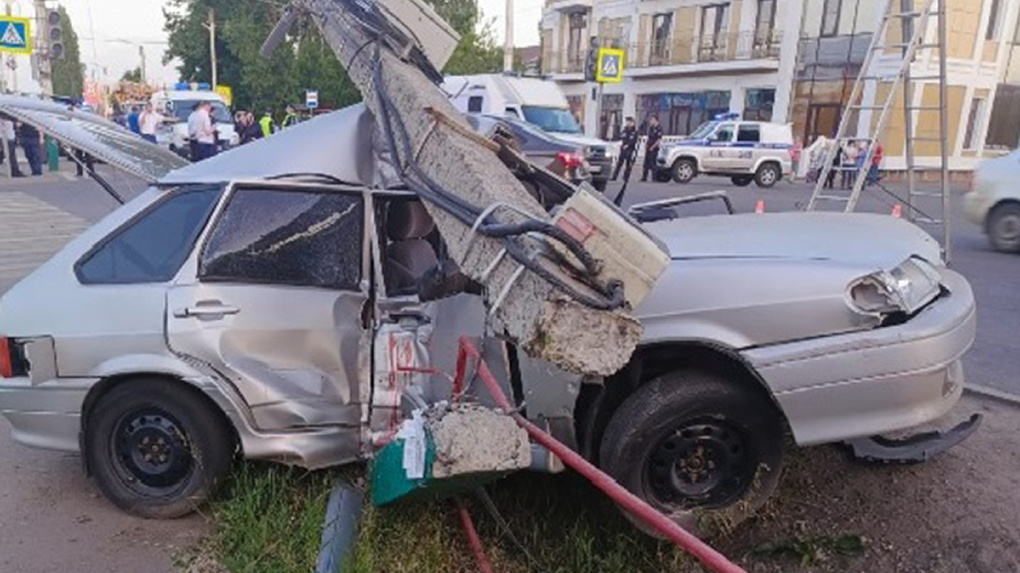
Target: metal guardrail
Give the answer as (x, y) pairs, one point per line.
(740, 46)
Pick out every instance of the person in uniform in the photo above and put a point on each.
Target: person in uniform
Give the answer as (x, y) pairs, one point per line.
(654, 137)
(628, 148)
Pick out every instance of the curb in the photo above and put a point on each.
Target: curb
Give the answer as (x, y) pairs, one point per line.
(992, 393)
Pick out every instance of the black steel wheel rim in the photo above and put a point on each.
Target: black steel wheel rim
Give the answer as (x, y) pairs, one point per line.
(151, 453)
(702, 463)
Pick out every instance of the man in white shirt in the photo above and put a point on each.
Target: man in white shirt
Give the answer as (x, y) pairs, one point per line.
(149, 122)
(9, 138)
(201, 132)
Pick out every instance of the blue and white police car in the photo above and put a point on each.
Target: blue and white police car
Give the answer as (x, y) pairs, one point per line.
(727, 146)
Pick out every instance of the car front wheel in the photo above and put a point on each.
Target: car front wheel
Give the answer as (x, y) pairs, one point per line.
(768, 175)
(157, 449)
(704, 451)
(1004, 228)
(684, 170)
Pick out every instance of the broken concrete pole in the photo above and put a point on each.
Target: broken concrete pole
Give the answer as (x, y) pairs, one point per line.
(471, 439)
(542, 320)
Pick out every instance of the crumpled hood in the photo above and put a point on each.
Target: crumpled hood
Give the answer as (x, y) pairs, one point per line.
(856, 238)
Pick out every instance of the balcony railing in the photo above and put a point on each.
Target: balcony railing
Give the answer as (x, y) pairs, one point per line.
(683, 50)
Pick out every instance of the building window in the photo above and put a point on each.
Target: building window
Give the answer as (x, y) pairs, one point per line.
(830, 17)
(974, 123)
(662, 29)
(765, 23)
(758, 104)
(681, 113)
(994, 20)
(578, 22)
(714, 25)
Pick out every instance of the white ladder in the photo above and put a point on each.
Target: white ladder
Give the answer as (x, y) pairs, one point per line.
(914, 23)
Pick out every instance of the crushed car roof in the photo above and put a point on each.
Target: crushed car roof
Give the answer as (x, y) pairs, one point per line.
(337, 145)
(94, 135)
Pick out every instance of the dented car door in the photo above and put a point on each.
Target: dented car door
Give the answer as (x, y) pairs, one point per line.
(276, 300)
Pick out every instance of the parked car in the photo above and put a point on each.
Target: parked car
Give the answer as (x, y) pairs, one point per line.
(264, 303)
(537, 101)
(558, 156)
(744, 151)
(994, 201)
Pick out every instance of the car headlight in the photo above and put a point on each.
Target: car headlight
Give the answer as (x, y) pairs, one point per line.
(906, 288)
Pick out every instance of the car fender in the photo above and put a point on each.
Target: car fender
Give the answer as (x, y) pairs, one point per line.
(770, 159)
(675, 154)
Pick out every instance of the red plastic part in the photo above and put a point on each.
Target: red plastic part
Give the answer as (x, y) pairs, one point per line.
(635, 505)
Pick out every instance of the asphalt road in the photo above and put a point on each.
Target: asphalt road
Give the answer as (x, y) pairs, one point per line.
(52, 518)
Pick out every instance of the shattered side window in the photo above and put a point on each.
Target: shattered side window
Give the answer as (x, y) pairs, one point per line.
(299, 238)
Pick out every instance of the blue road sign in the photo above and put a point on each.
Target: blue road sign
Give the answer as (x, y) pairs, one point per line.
(15, 35)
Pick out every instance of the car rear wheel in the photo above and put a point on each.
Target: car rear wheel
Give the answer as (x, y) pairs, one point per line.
(157, 449)
(1004, 228)
(768, 175)
(684, 170)
(742, 180)
(704, 451)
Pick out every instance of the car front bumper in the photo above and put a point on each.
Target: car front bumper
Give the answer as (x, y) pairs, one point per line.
(861, 384)
(976, 207)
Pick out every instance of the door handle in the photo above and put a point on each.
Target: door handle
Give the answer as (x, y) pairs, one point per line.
(206, 310)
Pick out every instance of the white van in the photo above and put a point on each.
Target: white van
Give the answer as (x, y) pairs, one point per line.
(178, 103)
(536, 101)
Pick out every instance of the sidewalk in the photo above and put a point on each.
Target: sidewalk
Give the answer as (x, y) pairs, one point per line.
(66, 173)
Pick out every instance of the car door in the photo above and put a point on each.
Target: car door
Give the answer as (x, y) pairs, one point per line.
(747, 149)
(719, 143)
(275, 300)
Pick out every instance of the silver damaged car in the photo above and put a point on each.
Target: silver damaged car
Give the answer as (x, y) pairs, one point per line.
(265, 304)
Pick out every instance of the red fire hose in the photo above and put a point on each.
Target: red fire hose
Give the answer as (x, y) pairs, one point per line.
(632, 503)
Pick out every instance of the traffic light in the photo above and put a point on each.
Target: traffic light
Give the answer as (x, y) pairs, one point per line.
(55, 34)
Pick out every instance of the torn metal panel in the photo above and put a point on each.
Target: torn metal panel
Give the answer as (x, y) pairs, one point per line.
(94, 135)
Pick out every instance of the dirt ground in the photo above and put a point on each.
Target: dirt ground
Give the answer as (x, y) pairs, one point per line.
(959, 513)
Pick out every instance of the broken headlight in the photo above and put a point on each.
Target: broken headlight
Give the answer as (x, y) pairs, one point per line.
(906, 288)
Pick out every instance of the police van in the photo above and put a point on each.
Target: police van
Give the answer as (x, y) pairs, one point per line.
(744, 151)
(178, 104)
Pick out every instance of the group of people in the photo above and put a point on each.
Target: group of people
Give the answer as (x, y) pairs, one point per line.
(21, 134)
(249, 130)
(848, 160)
(629, 147)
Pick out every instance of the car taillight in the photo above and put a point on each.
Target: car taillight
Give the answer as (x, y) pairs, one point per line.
(6, 360)
(570, 160)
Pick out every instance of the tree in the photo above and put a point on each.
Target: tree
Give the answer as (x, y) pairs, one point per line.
(477, 52)
(303, 61)
(68, 71)
(134, 75)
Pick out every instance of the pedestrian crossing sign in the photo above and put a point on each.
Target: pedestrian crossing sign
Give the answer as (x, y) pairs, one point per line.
(15, 35)
(610, 66)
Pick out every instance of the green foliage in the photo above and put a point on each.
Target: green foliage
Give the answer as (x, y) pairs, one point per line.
(68, 72)
(134, 75)
(303, 61)
(270, 519)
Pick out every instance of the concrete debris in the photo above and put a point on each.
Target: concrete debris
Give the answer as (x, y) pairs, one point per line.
(531, 311)
(472, 439)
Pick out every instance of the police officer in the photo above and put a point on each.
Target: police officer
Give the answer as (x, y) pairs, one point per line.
(30, 144)
(651, 146)
(628, 148)
(266, 123)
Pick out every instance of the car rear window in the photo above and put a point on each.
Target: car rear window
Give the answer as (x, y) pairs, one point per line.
(152, 247)
(287, 237)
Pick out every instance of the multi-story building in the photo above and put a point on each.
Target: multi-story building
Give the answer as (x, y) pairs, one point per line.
(788, 61)
(686, 59)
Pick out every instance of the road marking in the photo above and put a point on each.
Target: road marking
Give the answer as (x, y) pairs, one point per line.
(32, 232)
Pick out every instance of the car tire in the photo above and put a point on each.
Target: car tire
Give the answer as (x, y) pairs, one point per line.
(1004, 228)
(600, 185)
(157, 449)
(684, 170)
(768, 175)
(742, 180)
(705, 452)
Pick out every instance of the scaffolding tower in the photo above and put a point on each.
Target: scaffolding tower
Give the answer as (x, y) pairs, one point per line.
(889, 69)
